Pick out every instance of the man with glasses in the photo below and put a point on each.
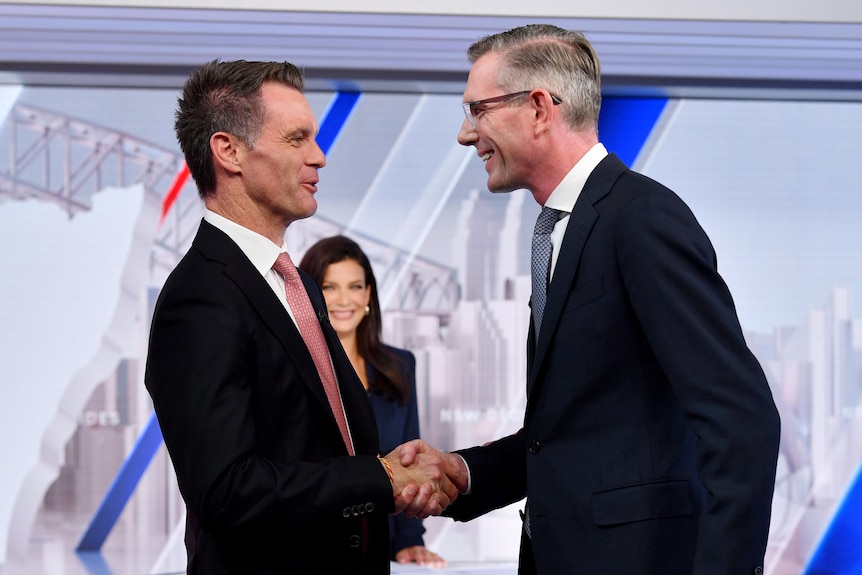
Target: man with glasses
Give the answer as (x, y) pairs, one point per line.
(650, 437)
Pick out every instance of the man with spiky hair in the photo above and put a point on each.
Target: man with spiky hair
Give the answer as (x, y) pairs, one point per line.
(268, 427)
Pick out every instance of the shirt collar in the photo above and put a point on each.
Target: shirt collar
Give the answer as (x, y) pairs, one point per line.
(565, 195)
(257, 248)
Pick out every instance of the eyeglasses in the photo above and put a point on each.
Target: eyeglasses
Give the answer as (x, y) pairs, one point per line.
(472, 109)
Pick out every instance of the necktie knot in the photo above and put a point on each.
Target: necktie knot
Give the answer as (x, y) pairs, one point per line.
(284, 265)
(548, 218)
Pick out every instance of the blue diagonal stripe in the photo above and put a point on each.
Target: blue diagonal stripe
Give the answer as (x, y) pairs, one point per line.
(626, 123)
(840, 550)
(335, 118)
(123, 486)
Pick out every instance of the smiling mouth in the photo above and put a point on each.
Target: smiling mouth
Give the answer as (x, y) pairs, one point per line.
(485, 157)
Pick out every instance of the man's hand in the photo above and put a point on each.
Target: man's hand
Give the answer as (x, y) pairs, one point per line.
(454, 466)
(420, 499)
(421, 487)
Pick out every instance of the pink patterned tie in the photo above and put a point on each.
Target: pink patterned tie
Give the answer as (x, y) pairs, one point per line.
(309, 327)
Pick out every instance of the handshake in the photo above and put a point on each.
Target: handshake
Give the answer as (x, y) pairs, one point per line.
(425, 480)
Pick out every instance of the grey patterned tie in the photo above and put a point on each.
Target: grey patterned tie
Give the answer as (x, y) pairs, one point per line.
(541, 261)
(540, 269)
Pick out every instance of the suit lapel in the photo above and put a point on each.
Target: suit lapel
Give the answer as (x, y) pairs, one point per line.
(353, 395)
(581, 222)
(216, 245)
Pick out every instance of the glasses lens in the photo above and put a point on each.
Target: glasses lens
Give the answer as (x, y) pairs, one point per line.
(470, 107)
(468, 112)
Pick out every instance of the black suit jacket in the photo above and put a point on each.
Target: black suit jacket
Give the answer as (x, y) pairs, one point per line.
(650, 437)
(259, 459)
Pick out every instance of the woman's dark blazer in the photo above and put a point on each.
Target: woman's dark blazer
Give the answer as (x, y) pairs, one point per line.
(396, 424)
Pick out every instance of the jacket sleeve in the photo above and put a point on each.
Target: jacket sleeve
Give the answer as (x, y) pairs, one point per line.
(498, 475)
(686, 311)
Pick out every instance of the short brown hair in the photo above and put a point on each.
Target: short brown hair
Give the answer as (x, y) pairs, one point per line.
(224, 97)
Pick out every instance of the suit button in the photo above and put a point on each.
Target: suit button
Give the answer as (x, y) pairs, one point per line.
(355, 511)
(346, 512)
(354, 541)
(369, 507)
(535, 447)
(758, 570)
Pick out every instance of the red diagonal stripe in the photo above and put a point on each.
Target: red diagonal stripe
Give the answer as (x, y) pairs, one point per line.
(174, 191)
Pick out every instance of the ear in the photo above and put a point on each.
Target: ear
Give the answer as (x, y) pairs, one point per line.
(543, 110)
(226, 152)
(368, 295)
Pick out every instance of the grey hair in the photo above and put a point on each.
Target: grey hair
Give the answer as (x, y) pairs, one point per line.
(547, 56)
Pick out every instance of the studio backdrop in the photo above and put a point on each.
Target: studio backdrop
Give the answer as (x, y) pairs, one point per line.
(96, 208)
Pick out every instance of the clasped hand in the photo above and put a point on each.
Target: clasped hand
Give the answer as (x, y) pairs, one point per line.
(425, 480)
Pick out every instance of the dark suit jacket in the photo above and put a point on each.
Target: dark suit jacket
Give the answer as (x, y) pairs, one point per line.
(396, 424)
(259, 459)
(650, 437)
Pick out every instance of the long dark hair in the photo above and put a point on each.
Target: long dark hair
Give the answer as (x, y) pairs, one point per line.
(390, 381)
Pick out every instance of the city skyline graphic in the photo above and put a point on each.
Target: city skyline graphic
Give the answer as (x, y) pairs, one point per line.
(455, 284)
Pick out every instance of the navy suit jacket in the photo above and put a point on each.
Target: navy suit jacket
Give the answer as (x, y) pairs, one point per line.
(650, 436)
(396, 424)
(259, 458)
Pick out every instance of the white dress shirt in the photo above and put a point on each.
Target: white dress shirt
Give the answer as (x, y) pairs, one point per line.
(565, 195)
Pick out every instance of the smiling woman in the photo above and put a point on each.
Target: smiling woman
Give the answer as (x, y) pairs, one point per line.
(347, 297)
(345, 275)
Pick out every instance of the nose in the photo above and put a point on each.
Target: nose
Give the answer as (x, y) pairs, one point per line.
(467, 135)
(334, 297)
(317, 158)
(341, 296)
